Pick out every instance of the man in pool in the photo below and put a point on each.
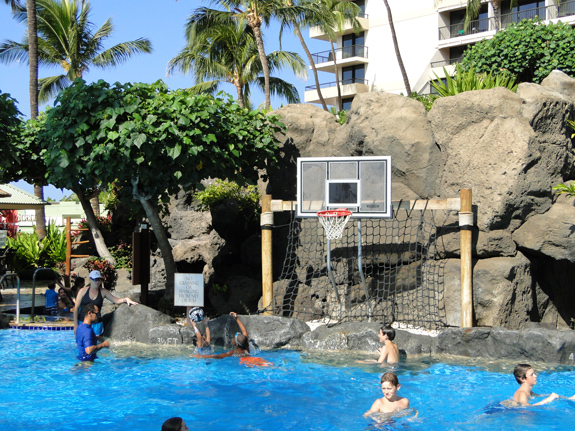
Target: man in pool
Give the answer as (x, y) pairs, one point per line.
(527, 378)
(239, 340)
(390, 402)
(86, 337)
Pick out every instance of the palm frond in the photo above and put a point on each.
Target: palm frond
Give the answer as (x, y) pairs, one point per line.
(51, 86)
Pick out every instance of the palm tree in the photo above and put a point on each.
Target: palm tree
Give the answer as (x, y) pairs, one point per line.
(227, 53)
(40, 213)
(256, 13)
(396, 46)
(66, 39)
(297, 26)
(333, 17)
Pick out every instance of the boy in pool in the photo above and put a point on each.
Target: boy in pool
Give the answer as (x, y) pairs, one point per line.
(203, 343)
(389, 352)
(390, 402)
(86, 337)
(526, 377)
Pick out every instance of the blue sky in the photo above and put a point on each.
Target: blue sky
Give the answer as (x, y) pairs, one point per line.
(160, 21)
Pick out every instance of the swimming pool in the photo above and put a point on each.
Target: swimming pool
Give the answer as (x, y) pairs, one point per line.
(137, 388)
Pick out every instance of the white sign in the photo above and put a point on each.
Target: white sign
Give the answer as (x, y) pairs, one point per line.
(189, 290)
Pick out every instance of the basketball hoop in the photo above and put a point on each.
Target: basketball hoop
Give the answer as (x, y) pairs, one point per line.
(333, 222)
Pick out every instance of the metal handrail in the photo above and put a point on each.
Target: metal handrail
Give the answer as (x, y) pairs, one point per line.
(343, 82)
(458, 30)
(34, 288)
(447, 62)
(13, 274)
(340, 54)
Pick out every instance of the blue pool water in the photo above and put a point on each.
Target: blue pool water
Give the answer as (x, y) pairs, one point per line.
(137, 388)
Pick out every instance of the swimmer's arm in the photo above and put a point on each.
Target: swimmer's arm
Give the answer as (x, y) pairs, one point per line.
(382, 355)
(108, 295)
(547, 400)
(240, 324)
(208, 336)
(220, 356)
(93, 349)
(374, 408)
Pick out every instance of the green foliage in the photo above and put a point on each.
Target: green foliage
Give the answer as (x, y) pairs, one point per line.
(470, 80)
(32, 253)
(122, 254)
(248, 198)
(426, 99)
(340, 116)
(104, 224)
(163, 140)
(10, 127)
(568, 189)
(530, 50)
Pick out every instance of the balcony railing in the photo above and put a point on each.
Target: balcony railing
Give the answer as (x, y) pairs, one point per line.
(447, 62)
(566, 8)
(475, 26)
(340, 54)
(342, 82)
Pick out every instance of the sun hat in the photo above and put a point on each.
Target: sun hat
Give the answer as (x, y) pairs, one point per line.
(95, 275)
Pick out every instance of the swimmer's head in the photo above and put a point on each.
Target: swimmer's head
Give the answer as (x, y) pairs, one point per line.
(520, 372)
(387, 330)
(174, 424)
(391, 378)
(241, 341)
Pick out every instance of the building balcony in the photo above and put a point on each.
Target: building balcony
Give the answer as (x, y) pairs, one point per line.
(479, 29)
(349, 87)
(346, 56)
(445, 63)
(317, 33)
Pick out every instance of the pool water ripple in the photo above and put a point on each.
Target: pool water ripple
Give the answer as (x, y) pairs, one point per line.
(137, 387)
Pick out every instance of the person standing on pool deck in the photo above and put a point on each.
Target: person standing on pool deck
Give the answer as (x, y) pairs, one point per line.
(526, 377)
(51, 307)
(86, 337)
(239, 340)
(390, 402)
(94, 293)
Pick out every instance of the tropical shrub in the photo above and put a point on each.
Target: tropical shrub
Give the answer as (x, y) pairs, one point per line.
(530, 50)
(248, 198)
(470, 80)
(104, 224)
(426, 99)
(122, 253)
(32, 253)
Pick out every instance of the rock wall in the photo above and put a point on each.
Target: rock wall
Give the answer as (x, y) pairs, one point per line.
(509, 148)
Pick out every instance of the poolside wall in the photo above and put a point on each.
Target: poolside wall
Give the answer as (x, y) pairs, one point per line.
(538, 344)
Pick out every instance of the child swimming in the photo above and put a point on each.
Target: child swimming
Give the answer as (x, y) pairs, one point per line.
(527, 378)
(390, 402)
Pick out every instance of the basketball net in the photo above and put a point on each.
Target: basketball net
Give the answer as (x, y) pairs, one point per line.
(333, 222)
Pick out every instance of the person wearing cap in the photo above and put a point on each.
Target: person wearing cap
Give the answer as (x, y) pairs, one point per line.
(95, 293)
(239, 340)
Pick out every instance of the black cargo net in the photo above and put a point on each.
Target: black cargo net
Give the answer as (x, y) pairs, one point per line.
(395, 276)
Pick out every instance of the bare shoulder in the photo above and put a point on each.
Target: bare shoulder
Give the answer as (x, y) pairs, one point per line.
(403, 403)
(521, 396)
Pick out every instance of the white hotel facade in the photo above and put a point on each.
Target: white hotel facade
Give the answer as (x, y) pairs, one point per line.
(431, 35)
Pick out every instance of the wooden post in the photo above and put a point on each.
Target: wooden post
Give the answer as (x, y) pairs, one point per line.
(465, 232)
(267, 221)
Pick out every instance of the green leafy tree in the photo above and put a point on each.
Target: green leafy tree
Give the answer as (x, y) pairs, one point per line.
(66, 38)
(10, 129)
(227, 53)
(530, 50)
(155, 140)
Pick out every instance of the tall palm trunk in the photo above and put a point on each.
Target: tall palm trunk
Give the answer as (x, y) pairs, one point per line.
(240, 92)
(496, 4)
(313, 68)
(396, 46)
(337, 83)
(40, 213)
(256, 27)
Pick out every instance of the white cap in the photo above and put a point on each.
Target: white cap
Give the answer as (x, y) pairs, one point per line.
(95, 274)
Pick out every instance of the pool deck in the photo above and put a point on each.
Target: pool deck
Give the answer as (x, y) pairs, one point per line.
(8, 306)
